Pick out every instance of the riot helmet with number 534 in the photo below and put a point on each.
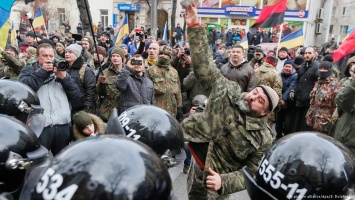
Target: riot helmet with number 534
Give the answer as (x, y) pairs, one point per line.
(105, 167)
(303, 165)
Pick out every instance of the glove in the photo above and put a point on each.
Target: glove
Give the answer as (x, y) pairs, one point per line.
(292, 95)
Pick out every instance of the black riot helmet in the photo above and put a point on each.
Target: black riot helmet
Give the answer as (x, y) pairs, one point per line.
(16, 99)
(20, 150)
(151, 125)
(105, 167)
(303, 165)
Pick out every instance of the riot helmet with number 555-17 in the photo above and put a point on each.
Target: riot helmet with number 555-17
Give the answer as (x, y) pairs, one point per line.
(105, 167)
(151, 125)
(305, 165)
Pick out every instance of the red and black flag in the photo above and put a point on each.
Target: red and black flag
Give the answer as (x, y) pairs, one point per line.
(271, 16)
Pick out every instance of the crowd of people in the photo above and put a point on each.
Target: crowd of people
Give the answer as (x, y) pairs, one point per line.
(226, 98)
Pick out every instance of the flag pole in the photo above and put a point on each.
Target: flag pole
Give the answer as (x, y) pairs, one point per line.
(278, 43)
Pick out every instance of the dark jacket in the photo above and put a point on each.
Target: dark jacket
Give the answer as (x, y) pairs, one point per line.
(34, 76)
(87, 86)
(182, 71)
(135, 89)
(307, 78)
(243, 74)
(289, 82)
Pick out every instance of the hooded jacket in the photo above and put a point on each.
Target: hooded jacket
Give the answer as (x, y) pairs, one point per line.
(98, 124)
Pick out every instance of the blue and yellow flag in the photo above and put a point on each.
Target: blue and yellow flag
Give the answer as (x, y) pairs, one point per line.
(13, 34)
(5, 8)
(292, 40)
(38, 21)
(123, 32)
(244, 42)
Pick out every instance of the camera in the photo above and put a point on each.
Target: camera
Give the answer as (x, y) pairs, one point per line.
(136, 62)
(60, 65)
(187, 51)
(200, 108)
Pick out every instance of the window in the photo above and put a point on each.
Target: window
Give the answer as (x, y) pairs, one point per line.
(61, 13)
(343, 29)
(331, 29)
(345, 11)
(334, 11)
(104, 17)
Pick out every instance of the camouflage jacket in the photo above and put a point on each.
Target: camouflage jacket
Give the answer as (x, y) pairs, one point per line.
(235, 140)
(266, 75)
(109, 92)
(253, 61)
(166, 88)
(10, 66)
(345, 128)
(322, 104)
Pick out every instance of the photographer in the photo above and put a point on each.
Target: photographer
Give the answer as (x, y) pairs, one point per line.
(134, 46)
(83, 76)
(105, 41)
(135, 86)
(54, 88)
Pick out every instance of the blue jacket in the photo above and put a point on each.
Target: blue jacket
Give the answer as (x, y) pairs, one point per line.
(132, 47)
(289, 82)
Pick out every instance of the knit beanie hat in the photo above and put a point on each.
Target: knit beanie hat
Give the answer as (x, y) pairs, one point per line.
(48, 41)
(271, 96)
(123, 46)
(119, 51)
(60, 44)
(289, 62)
(75, 48)
(82, 119)
(271, 60)
(283, 49)
(30, 33)
(13, 48)
(328, 57)
(101, 51)
(298, 60)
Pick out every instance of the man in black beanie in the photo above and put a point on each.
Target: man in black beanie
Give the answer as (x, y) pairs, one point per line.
(298, 62)
(336, 71)
(30, 40)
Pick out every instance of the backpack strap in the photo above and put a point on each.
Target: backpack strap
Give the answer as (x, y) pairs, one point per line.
(82, 72)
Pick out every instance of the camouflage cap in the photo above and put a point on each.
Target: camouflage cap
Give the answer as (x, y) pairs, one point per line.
(165, 50)
(31, 50)
(259, 51)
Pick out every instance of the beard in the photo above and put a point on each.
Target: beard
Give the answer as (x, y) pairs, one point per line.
(244, 105)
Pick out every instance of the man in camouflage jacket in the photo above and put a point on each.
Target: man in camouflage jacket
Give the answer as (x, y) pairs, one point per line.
(10, 65)
(166, 83)
(232, 131)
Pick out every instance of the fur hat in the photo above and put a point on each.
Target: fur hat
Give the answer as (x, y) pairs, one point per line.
(272, 96)
(75, 48)
(82, 119)
(119, 51)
